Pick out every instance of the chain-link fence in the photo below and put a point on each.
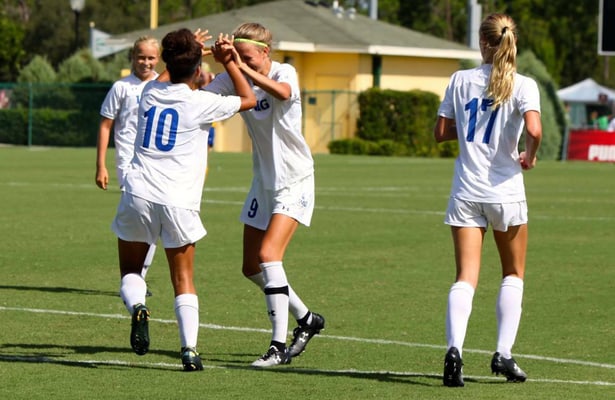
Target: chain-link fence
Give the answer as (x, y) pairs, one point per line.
(50, 114)
(68, 114)
(329, 115)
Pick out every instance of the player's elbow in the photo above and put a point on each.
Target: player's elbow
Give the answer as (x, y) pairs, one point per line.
(444, 130)
(247, 102)
(533, 125)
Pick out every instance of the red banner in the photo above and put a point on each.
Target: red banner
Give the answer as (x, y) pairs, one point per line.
(591, 145)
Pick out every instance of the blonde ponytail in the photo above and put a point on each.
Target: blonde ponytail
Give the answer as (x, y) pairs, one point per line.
(499, 48)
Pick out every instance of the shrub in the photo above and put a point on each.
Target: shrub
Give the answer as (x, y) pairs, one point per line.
(393, 123)
(82, 67)
(39, 70)
(552, 111)
(14, 123)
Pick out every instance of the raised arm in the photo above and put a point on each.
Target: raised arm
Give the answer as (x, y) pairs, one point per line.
(279, 90)
(223, 53)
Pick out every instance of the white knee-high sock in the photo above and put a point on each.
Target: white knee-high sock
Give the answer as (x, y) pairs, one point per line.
(187, 314)
(296, 306)
(458, 314)
(276, 297)
(258, 280)
(149, 258)
(508, 313)
(132, 290)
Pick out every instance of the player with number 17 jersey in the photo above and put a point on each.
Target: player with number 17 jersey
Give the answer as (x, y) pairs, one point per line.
(485, 171)
(170, 156)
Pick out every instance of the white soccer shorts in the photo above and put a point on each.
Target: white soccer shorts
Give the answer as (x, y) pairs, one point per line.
(139, 220)
(500, 216)
(296, 201)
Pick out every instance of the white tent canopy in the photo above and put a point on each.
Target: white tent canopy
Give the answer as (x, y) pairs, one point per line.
(587, 91)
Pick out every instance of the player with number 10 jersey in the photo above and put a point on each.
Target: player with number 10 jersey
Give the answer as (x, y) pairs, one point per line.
(171, 145)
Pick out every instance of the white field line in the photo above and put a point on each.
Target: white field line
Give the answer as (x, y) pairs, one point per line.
(321, 336)
(341, 372)
(406, 211)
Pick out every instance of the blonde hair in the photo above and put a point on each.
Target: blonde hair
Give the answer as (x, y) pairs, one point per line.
(143, 39)
(254, 31)
(498, 43)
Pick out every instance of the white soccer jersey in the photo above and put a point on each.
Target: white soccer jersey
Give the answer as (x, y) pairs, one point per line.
(121, 105)
(280, 154)
(170, 153)
(487, 169)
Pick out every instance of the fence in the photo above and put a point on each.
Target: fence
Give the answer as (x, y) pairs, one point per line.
(329, 115)
(50, 114)
(68, 115)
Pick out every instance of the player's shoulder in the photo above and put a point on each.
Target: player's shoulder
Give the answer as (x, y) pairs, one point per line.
(481, 72)
(126, 82)
(524, 82)
(524, 78)
(278, 68)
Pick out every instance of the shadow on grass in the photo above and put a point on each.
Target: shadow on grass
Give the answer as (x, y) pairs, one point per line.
(242, 361)
(51, 289)
(51, 354)
(56, 354)
(409, 378)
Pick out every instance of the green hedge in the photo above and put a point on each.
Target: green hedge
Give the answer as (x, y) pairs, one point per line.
(53, 114)
(383, 147)
(50, 127)
(395, 123)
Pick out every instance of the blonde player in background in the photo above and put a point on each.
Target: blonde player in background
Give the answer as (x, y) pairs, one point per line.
(119, 111)
(485, 109)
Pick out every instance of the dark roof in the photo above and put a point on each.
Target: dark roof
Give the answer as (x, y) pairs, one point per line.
(307, 26)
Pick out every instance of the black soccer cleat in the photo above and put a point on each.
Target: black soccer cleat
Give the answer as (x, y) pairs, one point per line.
(139, 332)
(453, 369)
(191, 359)
(507, 367)
(272, 357)
(303, 334)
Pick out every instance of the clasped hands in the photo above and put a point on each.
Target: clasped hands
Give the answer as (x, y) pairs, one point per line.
(223, 50)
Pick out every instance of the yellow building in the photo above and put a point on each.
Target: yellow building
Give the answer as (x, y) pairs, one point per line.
(337, 53)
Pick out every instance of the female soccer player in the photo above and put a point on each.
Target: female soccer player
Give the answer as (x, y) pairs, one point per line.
(282, 192)
(119, 110)
(163, 185)
(485, 109)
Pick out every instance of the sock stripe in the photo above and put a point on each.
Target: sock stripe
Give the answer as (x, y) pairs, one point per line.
(276, 290)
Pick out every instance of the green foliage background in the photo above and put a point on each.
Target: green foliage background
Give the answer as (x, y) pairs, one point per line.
(561, 33)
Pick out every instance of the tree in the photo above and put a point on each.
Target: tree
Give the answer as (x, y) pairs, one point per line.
(82, 67)
(442, 18)
(561, 33)
(11, 52)
(39, 70)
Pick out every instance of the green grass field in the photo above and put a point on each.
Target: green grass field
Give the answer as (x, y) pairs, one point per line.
(377, 263)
